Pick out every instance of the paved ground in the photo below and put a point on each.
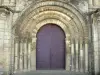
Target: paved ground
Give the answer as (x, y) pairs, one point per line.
(48, 72)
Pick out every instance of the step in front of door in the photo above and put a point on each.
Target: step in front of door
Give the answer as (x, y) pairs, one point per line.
(50, 72)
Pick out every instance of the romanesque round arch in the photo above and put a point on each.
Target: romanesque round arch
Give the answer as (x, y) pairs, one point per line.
(42, 8)
(63, 14)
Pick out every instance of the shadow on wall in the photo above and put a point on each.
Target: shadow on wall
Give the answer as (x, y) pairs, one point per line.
(98, 73)
(93, 73)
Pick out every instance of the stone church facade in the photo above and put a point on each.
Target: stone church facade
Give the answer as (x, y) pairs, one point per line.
(21, 20)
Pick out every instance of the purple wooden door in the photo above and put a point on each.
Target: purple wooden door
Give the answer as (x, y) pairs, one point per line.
(50, 48)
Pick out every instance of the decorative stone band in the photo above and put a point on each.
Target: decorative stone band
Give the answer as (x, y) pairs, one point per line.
(51, 10)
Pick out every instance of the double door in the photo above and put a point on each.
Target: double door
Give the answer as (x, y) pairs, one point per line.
(50, 48)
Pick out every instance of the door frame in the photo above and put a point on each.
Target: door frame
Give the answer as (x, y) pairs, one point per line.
(67, 42)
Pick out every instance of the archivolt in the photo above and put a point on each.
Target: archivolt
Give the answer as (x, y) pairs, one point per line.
(64, 12)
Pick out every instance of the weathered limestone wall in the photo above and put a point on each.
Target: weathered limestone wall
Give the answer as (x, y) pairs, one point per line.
(86, 7)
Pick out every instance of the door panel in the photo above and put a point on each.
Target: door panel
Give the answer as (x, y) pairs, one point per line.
(43, 49)
(57, 48)
(50, 48)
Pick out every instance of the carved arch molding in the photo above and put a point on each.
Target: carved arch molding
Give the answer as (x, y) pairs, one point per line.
(63, 14)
